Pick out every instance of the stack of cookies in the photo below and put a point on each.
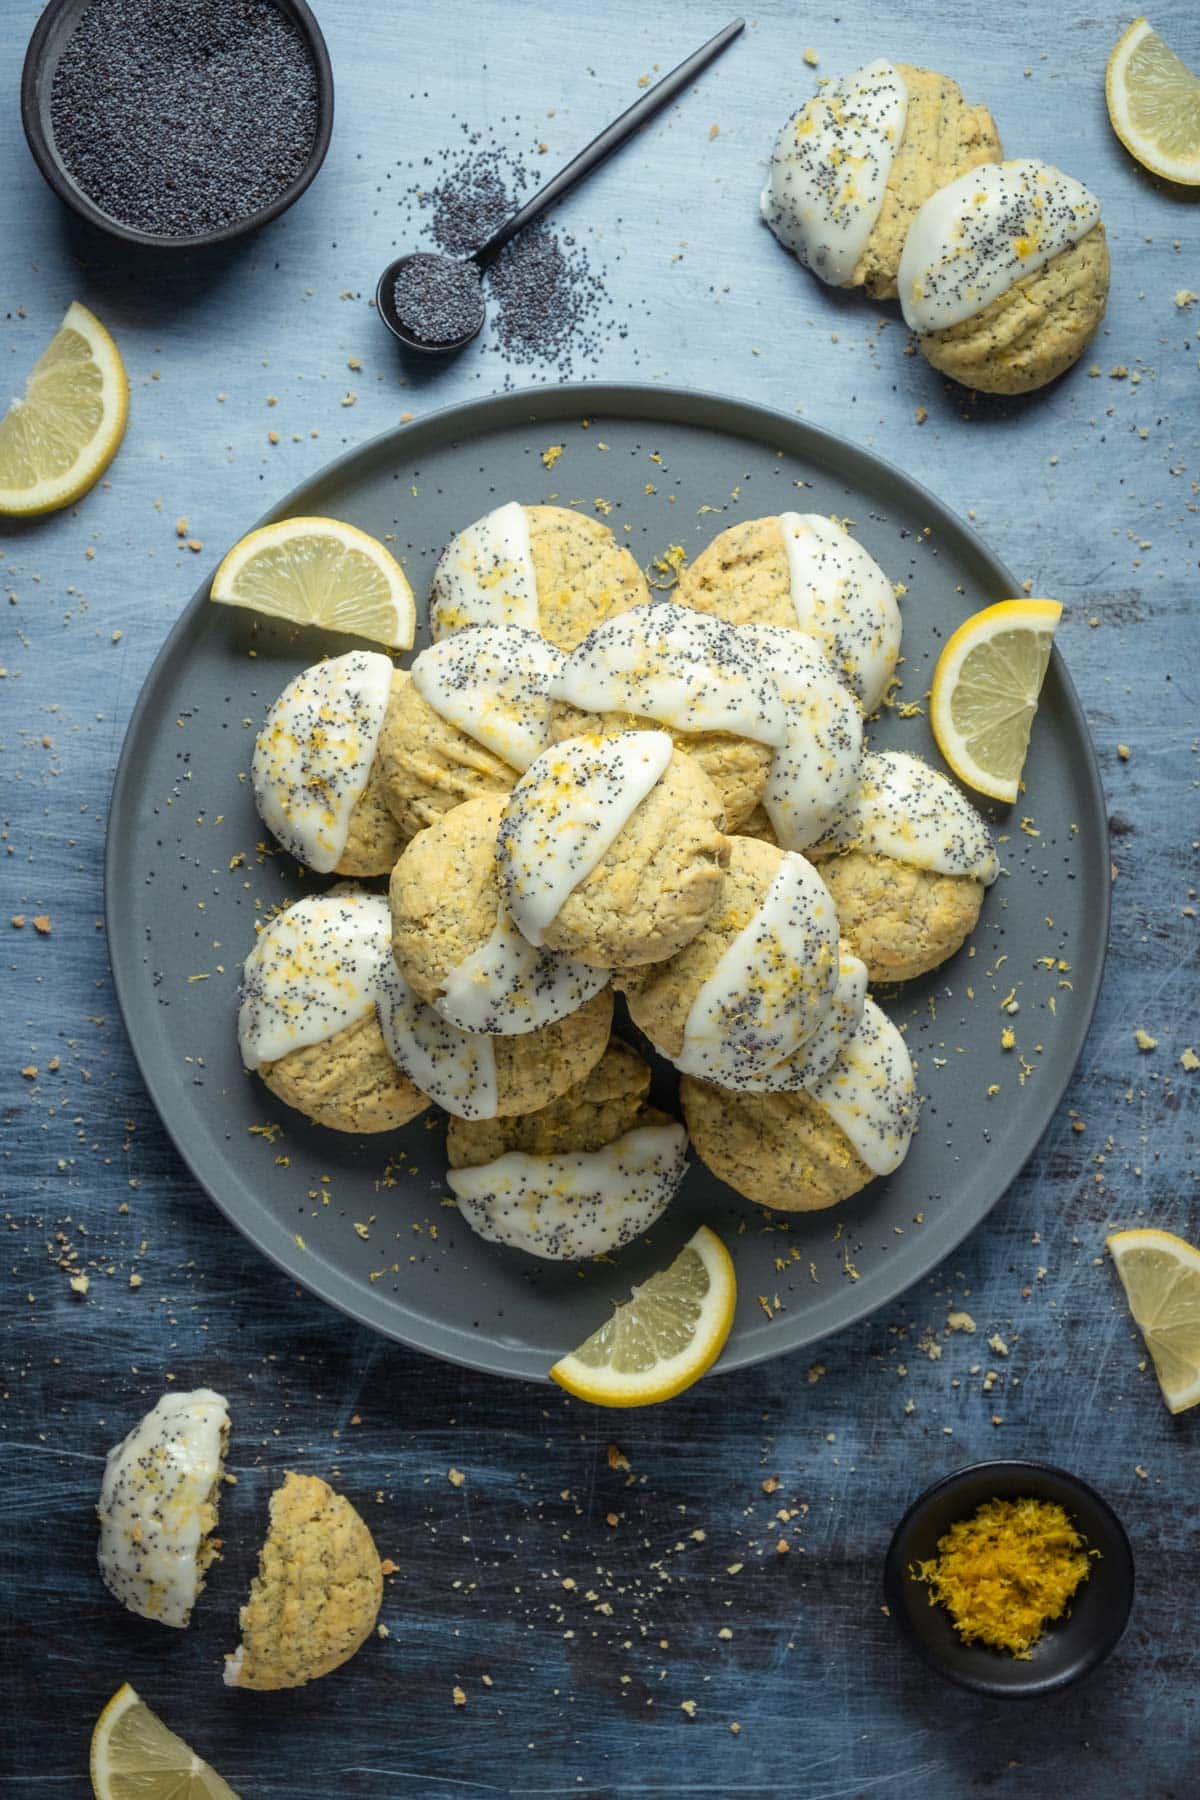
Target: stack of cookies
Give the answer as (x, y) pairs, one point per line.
(889, 181)
(577, 792)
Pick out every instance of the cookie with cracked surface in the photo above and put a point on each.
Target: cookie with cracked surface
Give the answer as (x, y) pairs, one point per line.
(804, 572)
(611, 849)
(317, 1593)
(582, 1177)
(315, 770)
(428, 765)
(460, 953)
(1034, 332)
(607, 1102)
(902, 921)
(777, 1150)
(546, 568)
(736, 766)
(852, 168)
(944, 136)
(348, 1082)
(809, 1148)
(788, 991)
(1004, 275)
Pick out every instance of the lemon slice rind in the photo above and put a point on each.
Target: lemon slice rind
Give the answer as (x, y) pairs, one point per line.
(1160, 1274)
(321, 572)
(1153, 101)
(985, 692)
(692, 1300)
(59, 436)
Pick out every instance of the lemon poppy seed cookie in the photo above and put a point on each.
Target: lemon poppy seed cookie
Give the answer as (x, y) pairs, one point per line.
(610, 849)
(583, 1176)
(308, 1021)
(316, 781)
(158, 1506)
(908, 864)
(455, 942)
(853, 167)
(606, 1102)
(482, 1076)
(468, 717)
(816, 768)
(544, 568)
(809, 1149)
(690, 672)
(317, 1594)
(1004, 276)
(757, 980)
(805, 572)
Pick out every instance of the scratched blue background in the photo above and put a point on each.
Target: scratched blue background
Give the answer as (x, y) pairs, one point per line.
(576, 1601)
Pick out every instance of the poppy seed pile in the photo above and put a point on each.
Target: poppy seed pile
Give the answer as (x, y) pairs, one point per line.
(178, 117)
(548, 302)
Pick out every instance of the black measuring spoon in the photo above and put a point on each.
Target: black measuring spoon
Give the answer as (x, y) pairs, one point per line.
(435, 303)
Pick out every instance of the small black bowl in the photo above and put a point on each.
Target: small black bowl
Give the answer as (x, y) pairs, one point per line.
(50, 37)
(1070, 1646)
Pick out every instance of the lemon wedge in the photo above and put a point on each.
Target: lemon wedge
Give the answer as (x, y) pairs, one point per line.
(59, 436)
(1154, 104)
(320, 572)
(985, 692)
(662, 1340)
(1161, 1277)
(135, 1757)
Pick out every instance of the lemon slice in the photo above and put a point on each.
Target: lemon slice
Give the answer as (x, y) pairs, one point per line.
(59, 436)
(1161, 1278)
(662, 1340)
(320, 572)
(985, 692)
(135, 1757)
(1154, 104)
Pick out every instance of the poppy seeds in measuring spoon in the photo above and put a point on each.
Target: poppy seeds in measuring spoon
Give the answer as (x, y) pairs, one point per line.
(431, 302)
(177, 124)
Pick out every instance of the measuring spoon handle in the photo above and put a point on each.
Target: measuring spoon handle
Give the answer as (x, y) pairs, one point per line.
(609, 140)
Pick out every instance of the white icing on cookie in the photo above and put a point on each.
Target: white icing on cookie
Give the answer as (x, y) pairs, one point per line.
(844, 599)
(817, 1055)
(491, 682)
(830, 167)
(565, 812)
(816, 770)
(689, 670)
(457, 1069)
(506, 987)
(912, 813)
(313, 756)
(156, 1505)
(314, 969)
(486, 575)
(564, 1208)
(771, 988)
(870, 1092)
(983, 233)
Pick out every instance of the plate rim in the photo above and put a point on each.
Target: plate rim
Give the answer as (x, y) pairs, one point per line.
(842, 457)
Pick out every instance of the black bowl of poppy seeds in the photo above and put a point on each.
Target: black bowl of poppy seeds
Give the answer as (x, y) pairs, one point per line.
(177, 124)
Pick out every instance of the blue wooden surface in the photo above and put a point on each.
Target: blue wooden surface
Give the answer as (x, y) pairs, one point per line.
(1090, 492)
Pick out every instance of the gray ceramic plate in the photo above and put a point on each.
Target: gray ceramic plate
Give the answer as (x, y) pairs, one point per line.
(362, 1222)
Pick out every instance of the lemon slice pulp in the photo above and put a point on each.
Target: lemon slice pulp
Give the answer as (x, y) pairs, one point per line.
(1161, 1277)
(985, 692)
(135, 1757)
(59, 436)
(1154, 104)
(320, 572)
(662, 1340)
